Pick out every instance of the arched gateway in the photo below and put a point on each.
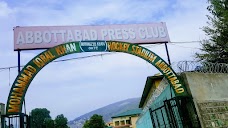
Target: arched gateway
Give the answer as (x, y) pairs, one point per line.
(23, 80)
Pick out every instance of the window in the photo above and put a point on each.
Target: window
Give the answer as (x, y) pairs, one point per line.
(117, 123)
(122, 122)
(128, 121)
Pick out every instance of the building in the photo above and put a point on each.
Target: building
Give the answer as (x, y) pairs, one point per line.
(126, 119)
(162, 108)
(109, 124)
(156, 91)
(151, 85)
(205, 106)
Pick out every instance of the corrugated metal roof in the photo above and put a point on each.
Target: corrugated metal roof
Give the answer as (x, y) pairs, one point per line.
(128, 113)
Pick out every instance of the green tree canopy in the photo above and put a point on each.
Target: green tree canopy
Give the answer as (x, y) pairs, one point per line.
(39, 115)
(215, 49)
(96, 121)
(49, 123)
(61, 121)
(86, 124)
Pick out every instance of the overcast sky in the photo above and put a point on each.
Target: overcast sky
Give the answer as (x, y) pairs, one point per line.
(76, 87)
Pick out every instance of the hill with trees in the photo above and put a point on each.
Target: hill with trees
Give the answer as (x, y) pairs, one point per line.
(107, 112)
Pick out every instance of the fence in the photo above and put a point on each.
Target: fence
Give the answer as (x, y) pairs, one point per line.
(203, 67)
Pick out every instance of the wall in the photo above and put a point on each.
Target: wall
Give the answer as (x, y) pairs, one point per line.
(149, 95)
(155, 85)
(133, 121)
(144, 120)
(210, 95)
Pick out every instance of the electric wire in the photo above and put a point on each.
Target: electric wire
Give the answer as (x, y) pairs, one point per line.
(75, 58)
(185, 46)
(184, 42)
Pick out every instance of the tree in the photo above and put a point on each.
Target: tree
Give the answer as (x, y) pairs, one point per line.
(61, 121)
(86, 124)
(96, 121)
(215, 49)
(39, 115)
(49, 123)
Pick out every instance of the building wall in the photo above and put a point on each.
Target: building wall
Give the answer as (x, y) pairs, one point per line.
(144, 120)
(154, 87)
(210, 95)
(109, 124)
(133, 120)
(119, 119)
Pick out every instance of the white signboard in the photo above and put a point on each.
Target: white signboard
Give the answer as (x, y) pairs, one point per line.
(41, 37)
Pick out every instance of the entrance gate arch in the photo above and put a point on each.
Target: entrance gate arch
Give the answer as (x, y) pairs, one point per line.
(29, 71)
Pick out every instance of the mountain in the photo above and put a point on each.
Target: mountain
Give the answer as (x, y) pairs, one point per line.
(107, 112)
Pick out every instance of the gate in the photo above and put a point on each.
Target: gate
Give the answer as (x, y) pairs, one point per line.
(15, 121)
(177, 112)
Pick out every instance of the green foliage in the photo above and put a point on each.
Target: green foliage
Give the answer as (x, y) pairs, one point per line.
(61, 121)
(96, 121)
(39, 115)
(215, 49)
(86, 124)
(49, 123)
(41, 119)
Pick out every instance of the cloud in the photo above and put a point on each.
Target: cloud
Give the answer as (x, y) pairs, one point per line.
(89, 12)
(4, 9)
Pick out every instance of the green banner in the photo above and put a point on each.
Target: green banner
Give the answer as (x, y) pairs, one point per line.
(23, 80)
(93, 46)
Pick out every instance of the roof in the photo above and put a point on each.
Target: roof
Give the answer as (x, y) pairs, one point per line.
(147, 88)
(129, 113)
